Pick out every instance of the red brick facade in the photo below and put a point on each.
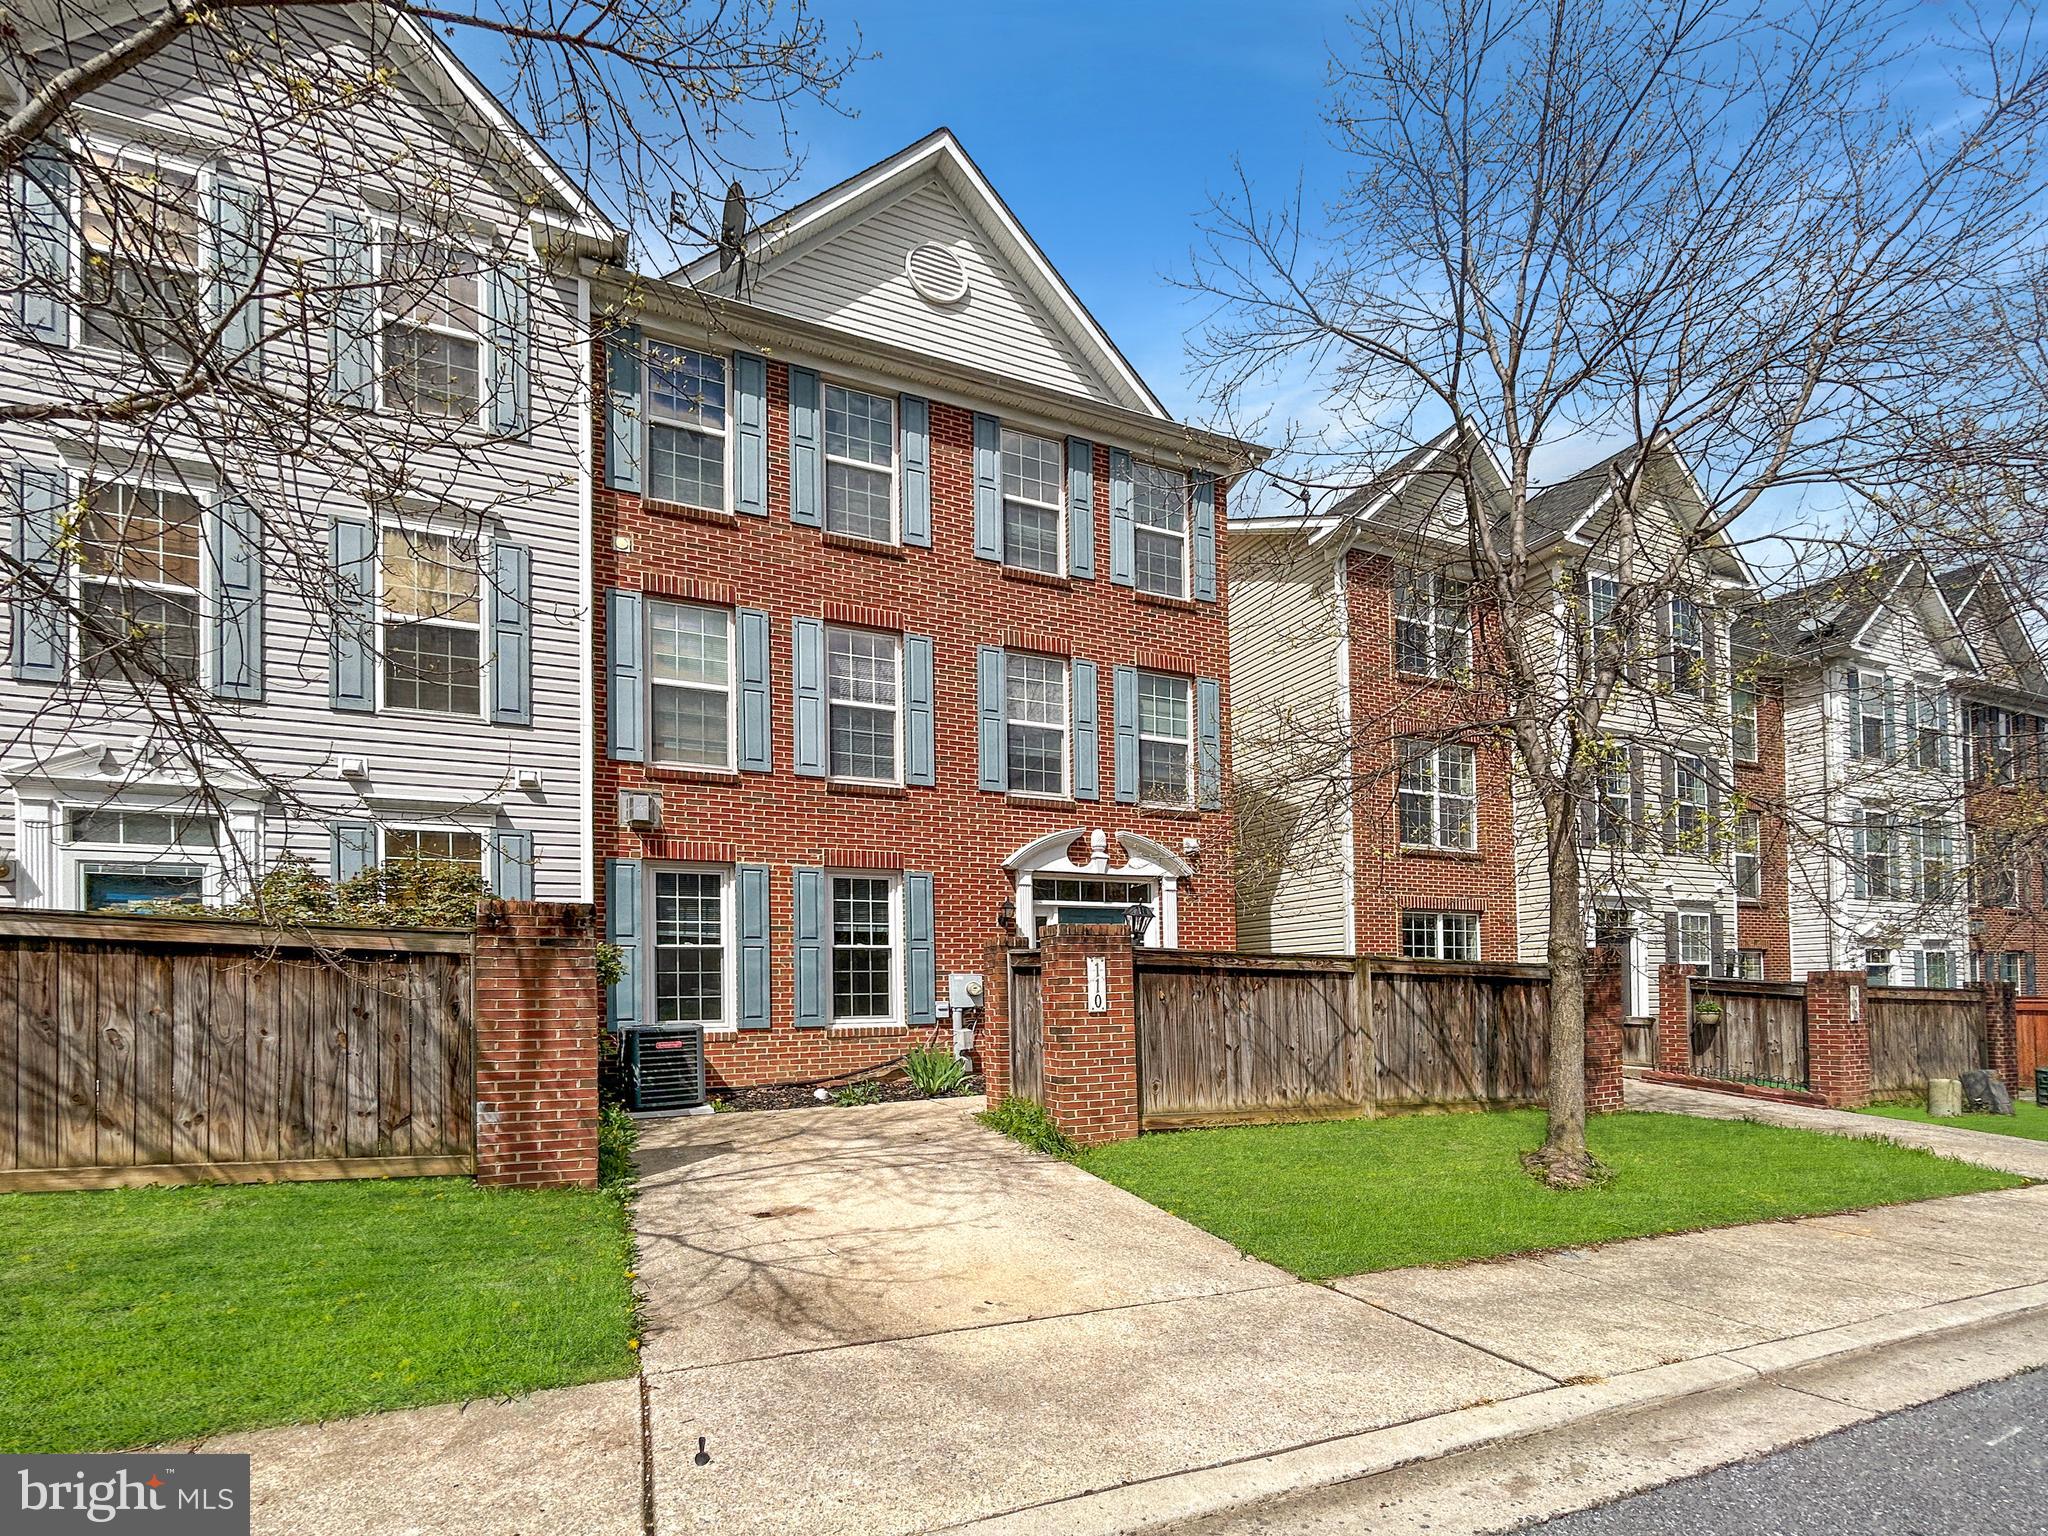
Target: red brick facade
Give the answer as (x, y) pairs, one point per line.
(2015, 811)
(953, 830)
(1603, 1030)
(535, 979)
(1838, 1037)
(1091, 1058)
(1765, 924)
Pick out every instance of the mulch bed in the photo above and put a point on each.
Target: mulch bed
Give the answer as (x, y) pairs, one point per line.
(894, 1090)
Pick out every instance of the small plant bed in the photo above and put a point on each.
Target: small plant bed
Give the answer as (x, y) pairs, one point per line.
(2028, 1120)
(147, 1316)
(1341, 1197)
(888, 1090)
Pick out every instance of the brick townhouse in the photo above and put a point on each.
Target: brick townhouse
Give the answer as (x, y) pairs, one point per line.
(911, 627)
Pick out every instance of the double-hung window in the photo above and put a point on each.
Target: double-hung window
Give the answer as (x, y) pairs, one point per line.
(689, 670)
(692, 910)
(1439, 936)
(864, 949)
(430, 622)
(1877, 967)
(863, 693)
(139, 228)
(1749, 857)
(1690, 811)
(1438, 796)
(1998, 881)
(1602, 594)
(432, 327)
(1742, 721)
(1877, 855)
(1927, 712)
(1159, 536)
(1432, 625)
(1937, 968)
(139, 585)
(1032, 514)
(1933, 861)
(1613, 805)
(1868, 704)
(686, 427)
(1165, 740)
(434, 845)
(1688, 648)
(1696, 939)
(1035, 723)
(860, 464)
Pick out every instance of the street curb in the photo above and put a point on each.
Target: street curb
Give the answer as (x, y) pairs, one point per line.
(1183, 1496)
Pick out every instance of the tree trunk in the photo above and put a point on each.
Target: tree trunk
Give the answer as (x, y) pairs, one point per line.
(1563, 1160)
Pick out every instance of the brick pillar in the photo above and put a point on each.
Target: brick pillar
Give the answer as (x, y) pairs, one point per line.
(992, 1038)
(537, 1016)
(2002, 1035)
(1603, 1030)
(1674, 1019)
(1838, 1037)
(1091, 1058)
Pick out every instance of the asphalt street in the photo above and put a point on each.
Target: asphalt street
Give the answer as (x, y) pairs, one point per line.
(1975, 1464)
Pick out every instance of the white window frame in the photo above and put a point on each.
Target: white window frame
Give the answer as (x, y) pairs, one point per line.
(87, 150)
(1749, 829)
(896, 644)
(82, 856)
(1420, 603)
(1413, 750)
(1744, 725)
(1947, 956)
(1066, 724)
(1185, 537)
(893, 1018)
(670, 422)
(1689, 680)
(413, 528)
(1439, 926)
(386, 235)
(1058, 505)
(1879, 819)
(1869, 702)
(728, 894)
(1611, 810)
(1879, 959)
(1042, 881)
(1697, 838)
(1696, 935)
(828, 458)
(1187, 743)
(439, 828)
(729, 689)
(156, 483)
(1924, 751)
(1603, 596)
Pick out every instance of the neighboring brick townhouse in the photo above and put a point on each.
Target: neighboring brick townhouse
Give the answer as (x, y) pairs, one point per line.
(912, 634)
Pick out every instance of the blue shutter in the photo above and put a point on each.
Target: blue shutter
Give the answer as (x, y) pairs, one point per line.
(1123, 547)
(807, 891)
(1087, 733)
(988, 693)
(753, 940)
(806, 452)
(1919, 967)
(351, 658)
(234, 213)
(43, 185)
(625, 420)
(1205, 537)
(914, 429)
(1891, 737)
(1941, 729)
(42, 632)
(622, 931)
(234, 540)
(511, 634)
(920, 953)
(1124, 706)
(920, 761)
(988, 488)
(1081, 508)
(1209, 743)
(350, 849)
(352, 327)
(625, 730)
(511, 864)
(1855, 685)
(511, 349)
(807, 671)
(750, 415)
(756, 732)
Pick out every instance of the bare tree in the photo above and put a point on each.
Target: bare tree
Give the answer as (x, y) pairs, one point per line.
(1742, 233)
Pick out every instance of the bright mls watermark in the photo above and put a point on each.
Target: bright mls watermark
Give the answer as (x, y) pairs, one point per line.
(162, 1495)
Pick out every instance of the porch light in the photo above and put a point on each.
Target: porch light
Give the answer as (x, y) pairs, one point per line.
(1139, 916)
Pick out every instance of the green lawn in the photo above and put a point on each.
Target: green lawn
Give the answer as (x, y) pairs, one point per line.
(129, 1317)
(2027, 1119)
(1339, 1197)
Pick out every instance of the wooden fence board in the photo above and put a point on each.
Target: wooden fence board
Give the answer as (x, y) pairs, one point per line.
(298, 1062)
(114, 1109)
(1917, 1033)
(330, 1071)
(36, 1040)
(394, 1059)
(153, 1014)
(261, 1111)
(10, 1062)
(226, 1061)
(77, 1007)
(191, 1007)
(1234, 1042)
(1761, 1037)
(360, 1079)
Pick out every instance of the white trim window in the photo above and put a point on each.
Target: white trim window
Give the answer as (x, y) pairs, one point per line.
(1932, 850)
(127, 860)
(1166, 740)
(1432, 625)
(690, 929)
(1614, 800)
(1438, 797)
(1742, 722)
(431, 325)
(1696, 939)
(1439, 935)
(139, 266)
(1034, 503)
(1160, 498)
(688, 427)
(1749, 856)
(1035, 724)
(139, 584)
(1937, 968)
(863, 705)
(1691, 804)
(860, 464)
(1688, 648)
(1091, 899)
(1877, 967)
(1925, 747)
(430, 620)
(689, 680)
(1603, 594)
(865, 941)
(1877, 855)
(434, 845)
(1868, 702)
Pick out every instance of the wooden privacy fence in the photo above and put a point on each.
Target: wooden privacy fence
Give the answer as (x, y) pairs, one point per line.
(1922, 1032)
(1027, 1026)
(161, 1051)
(2031, 1016)
(1760, 1037)
(1229, 1037)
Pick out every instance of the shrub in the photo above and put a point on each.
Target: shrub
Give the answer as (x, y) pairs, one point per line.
(618, 1133)
(935, 1072)
(409, 893)
(1025, 1120)
(866, 1091)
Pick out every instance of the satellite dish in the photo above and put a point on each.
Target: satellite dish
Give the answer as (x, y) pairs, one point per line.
(732, 229)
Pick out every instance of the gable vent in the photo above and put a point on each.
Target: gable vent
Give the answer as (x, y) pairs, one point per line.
(936, 273)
